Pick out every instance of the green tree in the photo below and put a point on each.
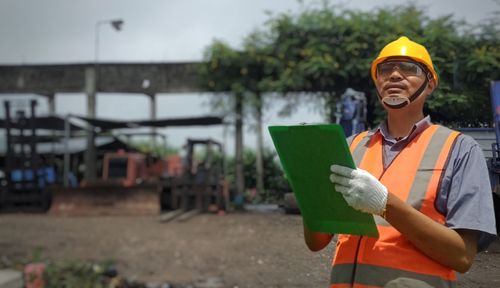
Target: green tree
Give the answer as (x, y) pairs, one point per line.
(234, 72)
(318, 53)
(274, 178)
(244, 74)
(147, 146)
(328, 49)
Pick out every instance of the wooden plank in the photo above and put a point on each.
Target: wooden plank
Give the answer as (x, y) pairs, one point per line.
(169, 216)
(188, 215)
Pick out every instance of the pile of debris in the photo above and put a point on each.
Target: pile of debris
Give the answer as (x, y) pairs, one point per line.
(86, 274)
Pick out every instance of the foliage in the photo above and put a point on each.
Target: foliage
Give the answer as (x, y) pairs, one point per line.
(327, 49)
(242, 73)
(148, 147)
(321, 51)
(77, 274)
(274, 178)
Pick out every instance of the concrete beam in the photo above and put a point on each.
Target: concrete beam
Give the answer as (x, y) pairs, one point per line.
(42, 79)
(146, 78)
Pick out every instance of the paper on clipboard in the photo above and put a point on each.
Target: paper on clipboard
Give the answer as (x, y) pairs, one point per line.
(306, 153)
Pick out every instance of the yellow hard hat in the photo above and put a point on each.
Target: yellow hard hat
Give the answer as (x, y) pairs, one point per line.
(406, 48)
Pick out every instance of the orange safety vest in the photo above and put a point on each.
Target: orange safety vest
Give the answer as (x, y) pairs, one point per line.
(414, 176)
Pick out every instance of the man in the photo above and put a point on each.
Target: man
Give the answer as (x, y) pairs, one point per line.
(427, 187)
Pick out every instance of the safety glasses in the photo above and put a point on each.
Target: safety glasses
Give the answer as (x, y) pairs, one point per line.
(385, 69)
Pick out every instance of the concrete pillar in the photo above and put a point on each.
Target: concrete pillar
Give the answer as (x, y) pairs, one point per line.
(152, 116)
(91, 91)
(259, 162)
(240, 178)
(51, 99)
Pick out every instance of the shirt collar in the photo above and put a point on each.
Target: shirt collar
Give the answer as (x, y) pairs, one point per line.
(417, 129)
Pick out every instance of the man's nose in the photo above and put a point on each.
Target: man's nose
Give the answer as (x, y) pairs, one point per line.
(395, 74)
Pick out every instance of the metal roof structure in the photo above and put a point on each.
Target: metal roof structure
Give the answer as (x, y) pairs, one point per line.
(107, 124)
(76, 145)
(53, 123)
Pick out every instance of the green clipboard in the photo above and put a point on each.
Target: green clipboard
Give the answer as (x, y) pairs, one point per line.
(306, 153)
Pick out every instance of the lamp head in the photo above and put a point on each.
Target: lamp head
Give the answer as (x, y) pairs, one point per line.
(117, 24)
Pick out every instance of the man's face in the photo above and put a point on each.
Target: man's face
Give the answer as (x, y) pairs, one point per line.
(399, 78)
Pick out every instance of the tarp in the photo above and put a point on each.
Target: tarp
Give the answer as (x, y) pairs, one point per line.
(77, 145)
(54, 123)
(105, 124)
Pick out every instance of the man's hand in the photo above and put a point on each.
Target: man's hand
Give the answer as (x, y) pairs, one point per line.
(360, 189)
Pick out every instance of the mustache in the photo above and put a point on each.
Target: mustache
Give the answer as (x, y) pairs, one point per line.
(394, 85)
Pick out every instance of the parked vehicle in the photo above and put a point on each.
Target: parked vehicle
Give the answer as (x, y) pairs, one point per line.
(134, 183)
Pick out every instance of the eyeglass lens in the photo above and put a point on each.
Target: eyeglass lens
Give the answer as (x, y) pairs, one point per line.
(385, 69)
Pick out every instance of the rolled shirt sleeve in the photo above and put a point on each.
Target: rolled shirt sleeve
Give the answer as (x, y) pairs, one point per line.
(465, 195)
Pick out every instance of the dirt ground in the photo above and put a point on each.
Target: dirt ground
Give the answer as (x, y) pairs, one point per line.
(238, 250)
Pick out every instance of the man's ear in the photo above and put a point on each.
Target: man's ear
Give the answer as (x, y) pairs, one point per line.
(431, 85)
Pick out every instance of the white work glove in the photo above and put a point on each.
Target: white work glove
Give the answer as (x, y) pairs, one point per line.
(361, 190)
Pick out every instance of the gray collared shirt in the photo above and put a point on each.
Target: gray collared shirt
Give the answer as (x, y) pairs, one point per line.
(465, 195)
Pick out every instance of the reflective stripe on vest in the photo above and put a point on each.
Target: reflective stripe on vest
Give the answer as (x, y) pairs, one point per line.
(414, 176)
(378, 276)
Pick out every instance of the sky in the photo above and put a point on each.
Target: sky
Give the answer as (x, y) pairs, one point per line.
(64, 31)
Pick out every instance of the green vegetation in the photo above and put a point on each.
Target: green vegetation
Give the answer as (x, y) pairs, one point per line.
(274, 178)
(78, 274)
(327, 49)
(160, 150)
(315, 55)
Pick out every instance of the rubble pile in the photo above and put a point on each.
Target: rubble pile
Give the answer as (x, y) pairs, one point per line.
(97, 275)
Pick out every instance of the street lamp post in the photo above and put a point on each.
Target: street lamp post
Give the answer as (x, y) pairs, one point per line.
(116, 24)
(90, 155)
